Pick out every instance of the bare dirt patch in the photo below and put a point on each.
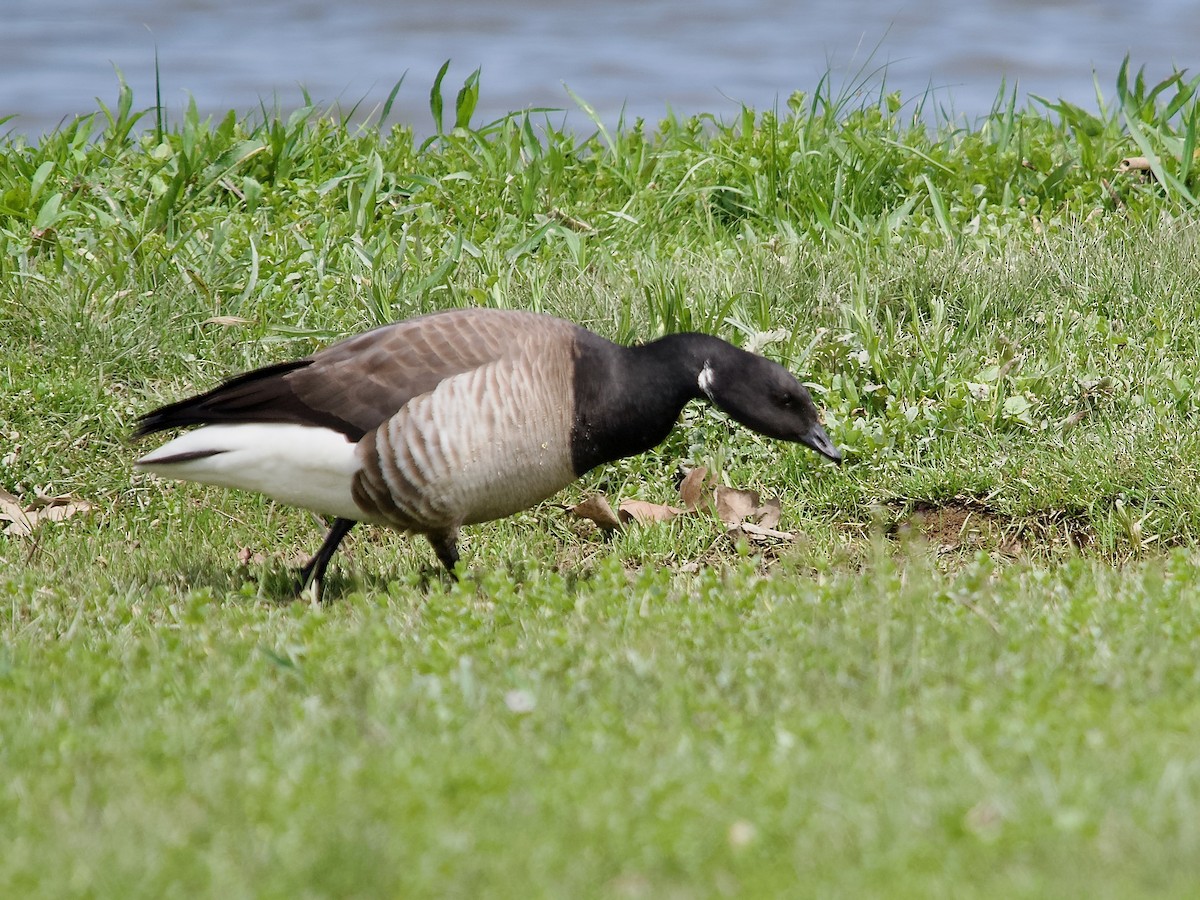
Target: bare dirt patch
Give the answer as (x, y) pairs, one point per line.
(965, 524)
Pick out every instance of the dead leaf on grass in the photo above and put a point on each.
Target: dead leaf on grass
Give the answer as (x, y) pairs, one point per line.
(642, 512)
(25, 518)
(769, 514)
(597, 509)
(734, 505)
(693, 490)
(247, 557)
(760, 533)
(740, 510)
(11, 509)
(744, 514)
(570, 221)
(225, 320)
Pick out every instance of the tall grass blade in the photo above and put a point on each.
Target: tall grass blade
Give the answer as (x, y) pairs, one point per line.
(435, 98)
(160, 122)
(467, 99)
(590, 112)
(940, 216)
(252, 280)
(387, 104)
(1187, 159)
(40, 176)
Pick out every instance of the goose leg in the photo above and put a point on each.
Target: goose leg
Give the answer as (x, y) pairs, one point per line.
(314, 572)
(445, 545)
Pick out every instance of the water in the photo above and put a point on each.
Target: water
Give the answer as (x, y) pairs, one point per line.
(643, 57)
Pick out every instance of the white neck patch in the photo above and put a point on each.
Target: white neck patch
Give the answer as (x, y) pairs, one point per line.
(706, 379)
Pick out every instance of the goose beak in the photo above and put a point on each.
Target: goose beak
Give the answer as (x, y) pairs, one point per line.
(818, 440)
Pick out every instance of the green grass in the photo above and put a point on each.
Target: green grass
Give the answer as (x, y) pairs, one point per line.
(974, 673)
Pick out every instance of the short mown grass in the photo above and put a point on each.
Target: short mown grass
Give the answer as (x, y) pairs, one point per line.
(973, 673)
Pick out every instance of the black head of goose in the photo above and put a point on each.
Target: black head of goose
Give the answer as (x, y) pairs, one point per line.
(460, 417)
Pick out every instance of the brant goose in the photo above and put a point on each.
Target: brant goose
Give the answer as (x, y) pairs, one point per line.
(459, 417)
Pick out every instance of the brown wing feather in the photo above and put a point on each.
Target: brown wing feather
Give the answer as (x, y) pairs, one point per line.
(356, 384)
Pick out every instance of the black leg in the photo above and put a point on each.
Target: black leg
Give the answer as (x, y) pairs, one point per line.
(445, 545)
(314, 572)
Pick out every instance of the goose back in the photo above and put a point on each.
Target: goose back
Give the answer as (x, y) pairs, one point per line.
(355, 385)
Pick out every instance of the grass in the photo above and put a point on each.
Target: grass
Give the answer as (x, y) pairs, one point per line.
(974, 672)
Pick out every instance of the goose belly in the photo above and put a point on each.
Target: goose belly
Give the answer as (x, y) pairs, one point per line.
(481, 446)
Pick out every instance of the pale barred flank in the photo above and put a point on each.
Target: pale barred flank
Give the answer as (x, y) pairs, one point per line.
(481, 446)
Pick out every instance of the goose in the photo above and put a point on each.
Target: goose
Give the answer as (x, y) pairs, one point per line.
(458, 417)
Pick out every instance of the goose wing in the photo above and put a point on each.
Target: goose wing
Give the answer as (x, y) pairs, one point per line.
(356, 384)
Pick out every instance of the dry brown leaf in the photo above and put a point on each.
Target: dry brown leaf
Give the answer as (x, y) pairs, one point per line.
(769, 514)
(642, 512)
(759, 533)
(570, 221)
(246, 557)
(58, 511)
(1073, 419)
(11, 509)
(597, 508)
(41, 501)
(20, 527)
(25, 519)
(692, 491)
(734, 505)
(225, 320)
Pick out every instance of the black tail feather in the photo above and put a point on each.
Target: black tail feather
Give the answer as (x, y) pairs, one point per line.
(259, 396)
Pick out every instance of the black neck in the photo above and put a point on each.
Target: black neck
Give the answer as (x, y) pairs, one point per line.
(627, 399)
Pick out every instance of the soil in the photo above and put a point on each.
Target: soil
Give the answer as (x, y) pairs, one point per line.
(964, 524)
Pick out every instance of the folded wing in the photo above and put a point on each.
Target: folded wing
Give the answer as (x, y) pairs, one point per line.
(353, 386)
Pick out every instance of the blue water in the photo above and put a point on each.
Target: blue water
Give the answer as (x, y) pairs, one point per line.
(645, 57)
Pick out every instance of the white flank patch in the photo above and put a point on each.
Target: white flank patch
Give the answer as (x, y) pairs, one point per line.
(706, 379)
(299, 465)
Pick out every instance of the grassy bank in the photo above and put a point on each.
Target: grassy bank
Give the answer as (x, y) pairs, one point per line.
(972, 671)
